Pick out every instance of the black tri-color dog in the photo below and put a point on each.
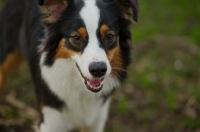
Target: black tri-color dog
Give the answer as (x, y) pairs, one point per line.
(78, 52)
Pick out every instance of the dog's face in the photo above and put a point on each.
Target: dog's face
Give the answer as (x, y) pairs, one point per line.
(93, 34)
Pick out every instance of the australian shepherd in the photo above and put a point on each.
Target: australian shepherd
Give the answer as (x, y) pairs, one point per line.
(78, 52)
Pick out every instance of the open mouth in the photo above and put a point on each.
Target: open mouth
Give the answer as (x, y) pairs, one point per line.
(94, 85)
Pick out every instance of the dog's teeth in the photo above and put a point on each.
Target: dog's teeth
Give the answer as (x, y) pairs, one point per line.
(88, 83)
(97, 87)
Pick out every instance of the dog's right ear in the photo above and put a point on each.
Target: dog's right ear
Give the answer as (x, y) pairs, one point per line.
(52, 9)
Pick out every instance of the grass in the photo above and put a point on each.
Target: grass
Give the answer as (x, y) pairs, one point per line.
(162, 91)
(168, 17)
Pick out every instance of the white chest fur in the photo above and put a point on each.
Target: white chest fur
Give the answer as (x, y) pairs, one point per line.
(83, 107)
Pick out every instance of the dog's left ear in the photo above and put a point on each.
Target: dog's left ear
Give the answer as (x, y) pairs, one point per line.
(130, 8)
(52, 9)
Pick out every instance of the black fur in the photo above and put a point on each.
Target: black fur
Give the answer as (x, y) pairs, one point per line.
(68, 23)
(27, 31)
(8, 35)
(121, 26)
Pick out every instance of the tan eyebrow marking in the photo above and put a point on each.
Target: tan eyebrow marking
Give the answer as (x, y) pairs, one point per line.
(82, 32)
(104, 28)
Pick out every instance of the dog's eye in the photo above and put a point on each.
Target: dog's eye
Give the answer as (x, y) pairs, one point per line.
(109, 38)
(76, 39)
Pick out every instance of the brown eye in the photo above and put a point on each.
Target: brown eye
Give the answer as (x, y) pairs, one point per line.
(76, 39)
(109, 38)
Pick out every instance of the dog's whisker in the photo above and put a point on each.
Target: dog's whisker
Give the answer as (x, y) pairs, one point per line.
(121, 69)
(116, 75)
(112, 21)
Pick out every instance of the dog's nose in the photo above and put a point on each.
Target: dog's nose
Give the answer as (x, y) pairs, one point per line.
(98, 69)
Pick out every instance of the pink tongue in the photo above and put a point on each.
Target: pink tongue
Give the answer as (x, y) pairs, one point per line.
(95, 83)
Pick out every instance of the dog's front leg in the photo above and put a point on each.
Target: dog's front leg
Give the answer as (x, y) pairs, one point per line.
(53, 121)
(98, 126)
(99, 123)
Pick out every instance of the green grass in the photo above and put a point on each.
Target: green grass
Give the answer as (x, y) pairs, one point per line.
(168, 17)
(162, 92)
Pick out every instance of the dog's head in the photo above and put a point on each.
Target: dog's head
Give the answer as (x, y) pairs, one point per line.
(94, 34)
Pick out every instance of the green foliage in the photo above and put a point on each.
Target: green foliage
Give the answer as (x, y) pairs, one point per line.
(122, 106)
(180, 18)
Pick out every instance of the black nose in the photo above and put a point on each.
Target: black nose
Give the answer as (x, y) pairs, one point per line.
(98, 69)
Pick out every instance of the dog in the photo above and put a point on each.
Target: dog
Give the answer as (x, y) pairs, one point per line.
(78, 52)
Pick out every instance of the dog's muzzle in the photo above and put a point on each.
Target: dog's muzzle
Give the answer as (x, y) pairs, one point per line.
(98, 71)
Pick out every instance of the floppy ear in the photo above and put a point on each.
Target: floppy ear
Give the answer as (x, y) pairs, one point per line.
(130, 8)
(52, 9)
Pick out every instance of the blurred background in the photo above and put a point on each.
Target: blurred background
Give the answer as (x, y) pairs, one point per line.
(162, 92)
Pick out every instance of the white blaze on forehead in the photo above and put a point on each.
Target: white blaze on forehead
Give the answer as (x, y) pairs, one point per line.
(90, 14)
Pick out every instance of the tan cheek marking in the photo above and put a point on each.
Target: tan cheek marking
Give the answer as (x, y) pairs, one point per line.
(64, 52)
(103, 30)
(115, 58)
(83, 32)
(111, 53)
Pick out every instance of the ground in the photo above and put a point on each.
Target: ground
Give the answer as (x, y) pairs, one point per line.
(162, 92)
